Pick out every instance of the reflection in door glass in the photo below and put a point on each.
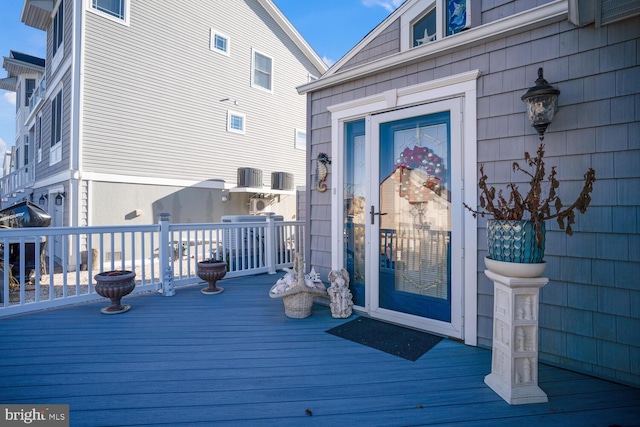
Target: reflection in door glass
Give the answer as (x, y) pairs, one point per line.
(414, 234)
(354, 208)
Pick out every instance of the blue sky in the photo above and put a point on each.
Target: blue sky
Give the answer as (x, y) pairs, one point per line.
(331, 27)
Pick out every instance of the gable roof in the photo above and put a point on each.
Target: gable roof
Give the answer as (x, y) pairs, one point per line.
(554, 11)
(37, 13)
(380, 28)
(291, 31)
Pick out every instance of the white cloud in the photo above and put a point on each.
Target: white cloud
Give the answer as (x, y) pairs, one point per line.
(10, 97)
(389, 5)
(328, 61)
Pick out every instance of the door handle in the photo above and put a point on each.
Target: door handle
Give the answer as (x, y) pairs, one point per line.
(374, 213)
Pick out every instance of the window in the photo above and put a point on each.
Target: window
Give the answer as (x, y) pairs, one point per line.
(262, 76)
(235, 122)
(58, 29)
(28, 90)
(219, 42)
(458, 18)
(39, 140)
(25, 153)
(301, 139)
(431, 20)
(424, 30)
(113, 8)
(55, 152)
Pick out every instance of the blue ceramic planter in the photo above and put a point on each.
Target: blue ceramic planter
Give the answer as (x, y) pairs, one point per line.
(514, 241)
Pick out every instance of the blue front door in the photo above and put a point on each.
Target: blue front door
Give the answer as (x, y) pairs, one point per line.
(415, 216)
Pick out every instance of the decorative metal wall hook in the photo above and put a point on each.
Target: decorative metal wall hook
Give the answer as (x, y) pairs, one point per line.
(322, 171)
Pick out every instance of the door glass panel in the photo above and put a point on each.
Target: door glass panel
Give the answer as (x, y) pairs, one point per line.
(415, 225)
(354, 208)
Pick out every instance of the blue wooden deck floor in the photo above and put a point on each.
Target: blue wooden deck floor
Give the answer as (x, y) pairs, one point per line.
(234, 359)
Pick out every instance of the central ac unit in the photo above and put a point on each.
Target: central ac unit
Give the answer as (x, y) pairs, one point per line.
(257, 205)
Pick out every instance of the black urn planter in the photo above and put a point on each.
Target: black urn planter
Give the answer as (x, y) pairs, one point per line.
(114, 285)
(211, 271)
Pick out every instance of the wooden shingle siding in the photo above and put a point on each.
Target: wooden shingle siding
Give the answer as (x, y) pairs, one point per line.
(385, 44)
(158, 82)
(498, 9)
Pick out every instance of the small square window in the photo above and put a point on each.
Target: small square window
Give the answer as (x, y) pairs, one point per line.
(219, 42)
(235, 122)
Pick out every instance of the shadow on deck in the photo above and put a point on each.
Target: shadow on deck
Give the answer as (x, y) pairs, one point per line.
(234, 359)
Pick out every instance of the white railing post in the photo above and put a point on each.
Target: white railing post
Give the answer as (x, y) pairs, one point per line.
(164, 251)
(270, 244)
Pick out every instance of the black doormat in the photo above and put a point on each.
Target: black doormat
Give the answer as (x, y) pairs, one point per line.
(402, 342)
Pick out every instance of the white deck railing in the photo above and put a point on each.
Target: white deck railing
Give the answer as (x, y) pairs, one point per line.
(55, 266)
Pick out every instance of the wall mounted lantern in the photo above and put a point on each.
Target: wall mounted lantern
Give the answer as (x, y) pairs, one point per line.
(542, 104)
(59, 198)
(43, 199)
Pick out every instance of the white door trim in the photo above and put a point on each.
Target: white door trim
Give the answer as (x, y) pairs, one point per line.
(461, 86)
(455, 327)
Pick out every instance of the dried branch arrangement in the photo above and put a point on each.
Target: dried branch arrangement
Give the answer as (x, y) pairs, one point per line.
(533, 205)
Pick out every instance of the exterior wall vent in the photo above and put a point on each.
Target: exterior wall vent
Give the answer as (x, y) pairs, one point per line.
(281, 181)
(609, 11)
(249, 177)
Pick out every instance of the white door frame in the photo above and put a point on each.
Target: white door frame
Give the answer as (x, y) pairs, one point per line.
(461, 87)
(454, 327)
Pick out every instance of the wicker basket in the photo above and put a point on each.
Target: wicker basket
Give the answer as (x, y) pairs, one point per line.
(298, 306)
(299, 298)
(298, 301)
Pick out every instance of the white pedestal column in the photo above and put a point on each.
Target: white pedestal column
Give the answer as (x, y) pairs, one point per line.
(514, 360)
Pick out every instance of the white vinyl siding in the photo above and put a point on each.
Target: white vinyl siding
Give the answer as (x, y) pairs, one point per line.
(220, 43)
(133, 123)
(262, 71)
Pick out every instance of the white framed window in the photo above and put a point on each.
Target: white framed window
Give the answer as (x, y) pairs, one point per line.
(427, 21)
(220, 43)
(25, 153)
(236, 122)
(424, 29)
(30, 86)
(116, 10)
(301, 139)
(261, 71)
(57, 36)
(39, 140)
(55, 151)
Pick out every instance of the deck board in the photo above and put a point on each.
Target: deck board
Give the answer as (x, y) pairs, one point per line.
(234, 359)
